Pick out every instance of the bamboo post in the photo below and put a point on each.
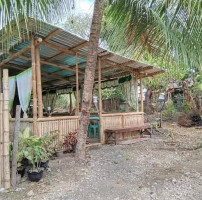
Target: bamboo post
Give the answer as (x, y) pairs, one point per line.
(34, 93)
(136, 84)
(1, 139)
(6, 165)
(0, 80)
(102, 136)
(38, 77)
(141, 90)
(77, 87)
(15, 145)
(70, 102)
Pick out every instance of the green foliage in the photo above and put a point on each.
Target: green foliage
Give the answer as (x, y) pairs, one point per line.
(167, 29)
(185, 107)
(63, 101)
(169, 111)
(34, 149)
(15, 12)
(112, 93)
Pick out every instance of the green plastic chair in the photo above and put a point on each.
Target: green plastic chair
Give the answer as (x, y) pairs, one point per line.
(94, 129)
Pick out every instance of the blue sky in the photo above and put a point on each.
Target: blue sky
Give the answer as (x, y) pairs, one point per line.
(85, 6)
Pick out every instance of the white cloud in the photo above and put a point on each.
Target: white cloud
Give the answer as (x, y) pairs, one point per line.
(85, 6)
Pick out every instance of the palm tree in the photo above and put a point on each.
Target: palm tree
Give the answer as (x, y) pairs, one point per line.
(170, 29)
(89, 75)
(13, 13)
(167, 29)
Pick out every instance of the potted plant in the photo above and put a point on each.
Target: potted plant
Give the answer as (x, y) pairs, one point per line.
(35, 152)
(47, 141)
(58, 149)
(70, 141)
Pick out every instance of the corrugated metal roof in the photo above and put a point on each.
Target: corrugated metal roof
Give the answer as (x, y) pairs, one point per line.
(68, 40)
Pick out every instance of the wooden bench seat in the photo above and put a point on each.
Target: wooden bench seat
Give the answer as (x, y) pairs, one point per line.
(113, 134)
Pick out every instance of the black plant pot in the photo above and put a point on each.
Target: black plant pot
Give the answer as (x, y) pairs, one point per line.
(74, 148)
(25, 162)
(45, 164)
(35, 176)
(21, 171)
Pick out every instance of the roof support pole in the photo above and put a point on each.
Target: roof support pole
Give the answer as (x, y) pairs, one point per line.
(102, 136)
(0, 80)
(77, 87)
(136, 86)
(34, 88)
(141, 91)
(38, 78)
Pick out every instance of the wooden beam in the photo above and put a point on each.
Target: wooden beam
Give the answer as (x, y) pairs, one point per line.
(34, 93)
(121, 74)
(56, 56)
(52, 34)
(72, 67)
(45, 74)
(66, 67)
(151, 74)
(67, 51)
(143, 69)
(80, 46)
(106, 56)
(15, 55)
(19, 53)
(38, 78)
(120, 66)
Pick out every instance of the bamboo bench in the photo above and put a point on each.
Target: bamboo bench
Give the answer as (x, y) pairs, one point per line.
(114, 133)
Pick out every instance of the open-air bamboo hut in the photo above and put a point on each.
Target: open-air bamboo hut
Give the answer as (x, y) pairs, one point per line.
(58, 59)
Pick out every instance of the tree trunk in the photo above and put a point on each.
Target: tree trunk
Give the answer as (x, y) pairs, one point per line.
(15, 145)
(149, 109)
(188, 96)
(89, 76)
(197, 103)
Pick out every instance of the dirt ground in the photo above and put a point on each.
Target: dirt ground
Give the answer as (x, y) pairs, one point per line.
(154, 169)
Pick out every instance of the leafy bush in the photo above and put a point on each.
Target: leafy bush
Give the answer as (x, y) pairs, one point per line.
(185, 107)
(169, 111)
(34, 149)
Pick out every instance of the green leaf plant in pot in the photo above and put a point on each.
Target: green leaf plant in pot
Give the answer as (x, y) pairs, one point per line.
(47, 142)
(35, 152)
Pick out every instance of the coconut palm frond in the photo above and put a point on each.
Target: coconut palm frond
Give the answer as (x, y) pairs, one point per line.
(171, 29)
(14, 13)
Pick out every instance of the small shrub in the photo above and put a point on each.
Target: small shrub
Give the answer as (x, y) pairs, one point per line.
(169, 111)
(185, 107)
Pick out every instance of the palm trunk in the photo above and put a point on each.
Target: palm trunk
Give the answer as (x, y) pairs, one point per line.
(149, 109)
(89, 76)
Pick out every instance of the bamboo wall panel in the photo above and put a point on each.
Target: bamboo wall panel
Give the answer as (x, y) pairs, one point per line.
(123, 120)
(133, 120)
(61, 125)
(112, 122)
